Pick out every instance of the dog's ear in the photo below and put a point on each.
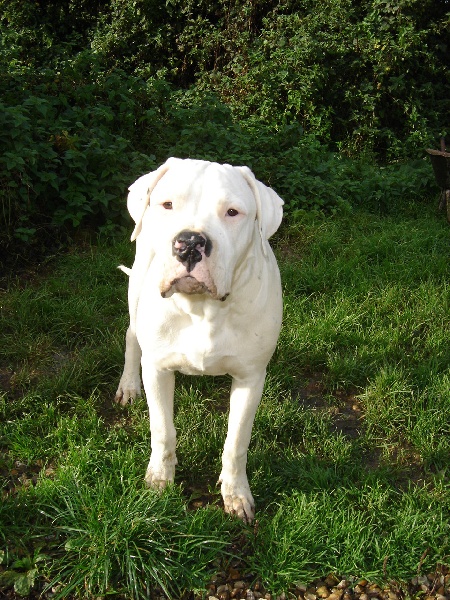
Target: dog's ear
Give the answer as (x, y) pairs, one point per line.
(139, 195)
(269, 206)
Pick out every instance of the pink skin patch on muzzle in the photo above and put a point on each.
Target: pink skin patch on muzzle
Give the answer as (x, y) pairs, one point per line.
(191, 274)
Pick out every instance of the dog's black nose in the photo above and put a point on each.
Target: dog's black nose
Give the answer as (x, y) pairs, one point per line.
(189, 248)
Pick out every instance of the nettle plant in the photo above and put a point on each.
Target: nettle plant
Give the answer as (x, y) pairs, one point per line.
(67, 161)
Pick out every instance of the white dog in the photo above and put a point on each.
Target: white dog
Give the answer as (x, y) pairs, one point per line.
(204, 298)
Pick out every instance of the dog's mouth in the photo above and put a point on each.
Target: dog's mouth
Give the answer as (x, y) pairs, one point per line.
(185, 285)
(190, 285)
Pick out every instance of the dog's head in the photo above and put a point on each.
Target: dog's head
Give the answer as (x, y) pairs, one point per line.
(204, 220)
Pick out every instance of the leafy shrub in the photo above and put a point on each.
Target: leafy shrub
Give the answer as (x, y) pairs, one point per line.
(370, 77)
(304, 171)
(75, 134)
(67, 165)
(62, 168)
(69, 151)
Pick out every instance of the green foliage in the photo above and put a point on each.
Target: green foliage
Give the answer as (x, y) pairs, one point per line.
(347, 530)
(353, 73)
(349, 454)
(20, 573)
(120, 538)
(70, 152)
(370, 76)
(87, 107)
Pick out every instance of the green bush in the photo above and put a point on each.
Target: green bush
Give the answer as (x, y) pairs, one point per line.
(71, 157)
(70, 151)
(370, 77)
(281, 89)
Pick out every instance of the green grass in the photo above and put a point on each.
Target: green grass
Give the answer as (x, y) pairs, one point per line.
(350, 449)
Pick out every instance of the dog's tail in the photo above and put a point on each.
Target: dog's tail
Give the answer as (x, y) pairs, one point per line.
(126, 270)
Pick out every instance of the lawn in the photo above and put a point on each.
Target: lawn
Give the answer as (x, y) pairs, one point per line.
(349, 459)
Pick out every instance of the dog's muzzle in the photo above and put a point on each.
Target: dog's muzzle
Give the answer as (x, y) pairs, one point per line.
(189, 247)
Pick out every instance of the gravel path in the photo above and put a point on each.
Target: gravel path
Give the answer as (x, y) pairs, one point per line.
(435, 586)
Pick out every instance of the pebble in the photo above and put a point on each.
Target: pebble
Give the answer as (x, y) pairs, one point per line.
(228, 586)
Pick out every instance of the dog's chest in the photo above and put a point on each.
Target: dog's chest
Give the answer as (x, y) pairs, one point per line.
(203, 340)
(200, 348)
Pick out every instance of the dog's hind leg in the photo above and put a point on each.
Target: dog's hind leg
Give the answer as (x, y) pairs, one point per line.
(130, 382)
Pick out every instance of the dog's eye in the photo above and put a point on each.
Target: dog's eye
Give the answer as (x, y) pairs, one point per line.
(232, 212)
(167, 205)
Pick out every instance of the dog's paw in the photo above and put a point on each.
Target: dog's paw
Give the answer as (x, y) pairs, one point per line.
(238, 501)
(127, 392)
(159, 477)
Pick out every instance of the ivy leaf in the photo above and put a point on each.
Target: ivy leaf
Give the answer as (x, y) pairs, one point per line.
(22, 585)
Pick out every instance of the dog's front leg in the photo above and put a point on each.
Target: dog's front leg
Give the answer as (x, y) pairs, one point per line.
(159, 389)
(244, 400)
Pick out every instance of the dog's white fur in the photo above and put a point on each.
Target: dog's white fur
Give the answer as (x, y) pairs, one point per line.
(222, 317)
